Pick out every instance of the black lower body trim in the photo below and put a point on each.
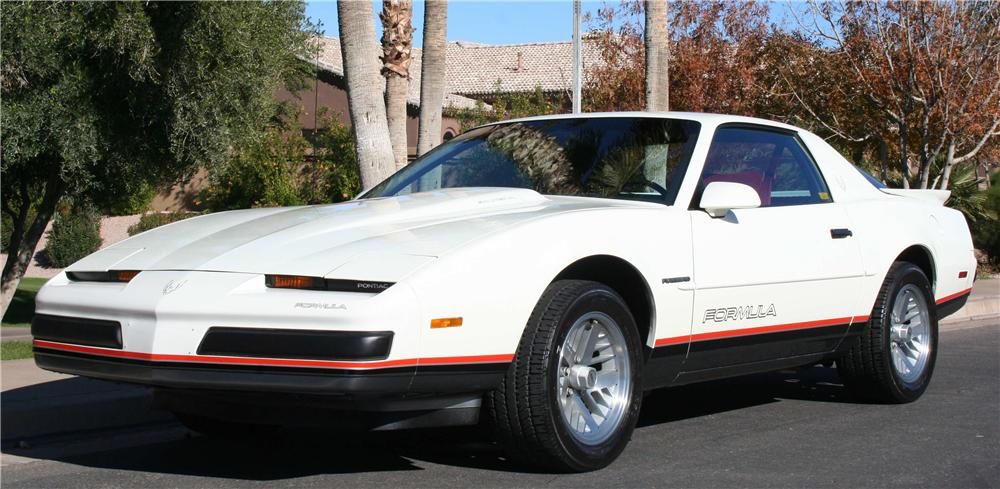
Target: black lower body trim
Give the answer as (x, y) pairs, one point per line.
(725, 352)
(951, 306)
(663, 365)
(382, 382)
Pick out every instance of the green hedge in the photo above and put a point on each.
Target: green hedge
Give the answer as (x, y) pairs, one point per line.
(74, 235)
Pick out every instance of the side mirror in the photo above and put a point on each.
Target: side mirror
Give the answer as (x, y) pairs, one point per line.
(721, 197)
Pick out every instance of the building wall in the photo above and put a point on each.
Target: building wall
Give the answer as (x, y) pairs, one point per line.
(329, 93)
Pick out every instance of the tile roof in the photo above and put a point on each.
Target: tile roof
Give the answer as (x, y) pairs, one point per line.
(480, 69)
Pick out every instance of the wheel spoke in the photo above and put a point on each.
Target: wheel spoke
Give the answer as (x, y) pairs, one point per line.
(585, 414)
(582, 348)
(606, 379)
(605, 355)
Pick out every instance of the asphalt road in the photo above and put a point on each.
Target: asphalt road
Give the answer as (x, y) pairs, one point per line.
(787, 429)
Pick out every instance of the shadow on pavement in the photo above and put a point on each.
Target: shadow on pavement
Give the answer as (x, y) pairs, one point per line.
(296, 454)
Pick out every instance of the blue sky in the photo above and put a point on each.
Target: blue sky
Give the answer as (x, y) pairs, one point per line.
(494, 22)
(489, 22)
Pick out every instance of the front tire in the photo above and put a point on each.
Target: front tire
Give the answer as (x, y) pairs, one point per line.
(570, 400)
(893, 359)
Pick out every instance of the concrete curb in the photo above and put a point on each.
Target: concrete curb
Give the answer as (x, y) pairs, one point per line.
(984, 303)
(13, 333)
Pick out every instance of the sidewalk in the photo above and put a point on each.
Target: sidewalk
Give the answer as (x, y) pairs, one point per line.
(11, 333)
(38, 403)
(983, 303)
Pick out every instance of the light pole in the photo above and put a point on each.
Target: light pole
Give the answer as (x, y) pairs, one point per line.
(577, 57)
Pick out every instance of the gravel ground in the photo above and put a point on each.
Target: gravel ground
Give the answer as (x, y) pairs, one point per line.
(113, 230)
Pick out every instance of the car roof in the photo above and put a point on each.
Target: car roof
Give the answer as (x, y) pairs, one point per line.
(707, 119)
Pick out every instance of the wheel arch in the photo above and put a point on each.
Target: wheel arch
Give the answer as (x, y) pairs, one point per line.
(625, 279)
(922, 257)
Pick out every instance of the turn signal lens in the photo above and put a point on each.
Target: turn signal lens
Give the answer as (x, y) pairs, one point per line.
(124, 275)
(445, 323)
(294, 282)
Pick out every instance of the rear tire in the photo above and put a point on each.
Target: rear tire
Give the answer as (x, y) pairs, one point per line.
(893, 359)
(570, 400)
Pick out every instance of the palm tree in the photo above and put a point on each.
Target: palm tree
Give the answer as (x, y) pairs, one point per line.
(657, 56)
(364, 92)
(432, 74)
(397, 43)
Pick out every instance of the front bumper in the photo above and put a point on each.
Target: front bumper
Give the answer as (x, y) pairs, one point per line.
(381, 379)
(264, 340)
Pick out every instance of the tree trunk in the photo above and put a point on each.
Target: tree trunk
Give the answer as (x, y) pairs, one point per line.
(925, 170)
(22, 246)
(432, 74)
(949, 162)
(657, 56)
(904, 160)
(359, 50)
(395, 114)
(397, 46)
(883, 158)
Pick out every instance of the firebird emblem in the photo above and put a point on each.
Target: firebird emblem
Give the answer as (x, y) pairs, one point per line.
(173, 285)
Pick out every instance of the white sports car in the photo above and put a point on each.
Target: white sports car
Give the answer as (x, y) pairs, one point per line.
(539, 274)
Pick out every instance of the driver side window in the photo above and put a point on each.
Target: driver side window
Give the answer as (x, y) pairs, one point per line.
(774, 164)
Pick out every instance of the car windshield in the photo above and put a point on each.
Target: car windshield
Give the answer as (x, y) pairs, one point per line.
(635, 158)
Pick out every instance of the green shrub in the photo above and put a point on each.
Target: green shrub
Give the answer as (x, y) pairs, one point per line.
(155, 220)
(986, 233)
(285, 168)
(134, 200)
(74, 235)
(261, 174)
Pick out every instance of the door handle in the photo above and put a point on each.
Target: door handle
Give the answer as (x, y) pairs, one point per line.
(840, 233)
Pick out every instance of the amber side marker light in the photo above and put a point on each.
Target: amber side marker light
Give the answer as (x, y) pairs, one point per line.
(445, 323)
(123, 276)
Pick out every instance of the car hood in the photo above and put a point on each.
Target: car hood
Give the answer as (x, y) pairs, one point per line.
(380, 238)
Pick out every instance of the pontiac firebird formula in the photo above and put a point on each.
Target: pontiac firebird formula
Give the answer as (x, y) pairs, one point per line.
(538, 275)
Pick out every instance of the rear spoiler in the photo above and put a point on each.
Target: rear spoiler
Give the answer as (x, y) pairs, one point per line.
(936, 196)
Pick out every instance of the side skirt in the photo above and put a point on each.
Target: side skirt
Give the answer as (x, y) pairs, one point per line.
(693, 376)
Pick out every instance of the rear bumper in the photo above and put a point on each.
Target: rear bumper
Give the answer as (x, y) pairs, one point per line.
(949, 305)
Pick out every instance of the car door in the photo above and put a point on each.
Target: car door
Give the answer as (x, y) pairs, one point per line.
(776, 281)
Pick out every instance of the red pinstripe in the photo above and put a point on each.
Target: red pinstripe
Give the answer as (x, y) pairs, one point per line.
(953, 296)
(729, 333)
(156, 357)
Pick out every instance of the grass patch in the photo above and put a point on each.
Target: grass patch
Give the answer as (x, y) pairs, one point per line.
(22, 307)
(15, 350)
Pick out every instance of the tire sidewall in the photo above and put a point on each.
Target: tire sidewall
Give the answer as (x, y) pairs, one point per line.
(590, 457)
(910, 274)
